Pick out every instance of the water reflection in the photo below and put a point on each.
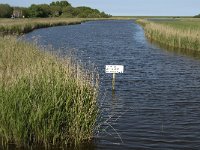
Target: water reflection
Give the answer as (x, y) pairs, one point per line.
(192, 53)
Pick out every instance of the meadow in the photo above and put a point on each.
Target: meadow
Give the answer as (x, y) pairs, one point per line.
(174, 33)
(44, 99)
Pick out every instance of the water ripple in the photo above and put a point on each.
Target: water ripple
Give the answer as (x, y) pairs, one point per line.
(156, 104)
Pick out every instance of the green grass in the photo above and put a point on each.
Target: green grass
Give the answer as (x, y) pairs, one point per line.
(147, 17)
(176, 33)
(44, 99)
(183, 24)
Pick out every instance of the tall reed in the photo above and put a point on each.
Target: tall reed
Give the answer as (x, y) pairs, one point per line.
(44, 99)
(174, 36)
(20, 26)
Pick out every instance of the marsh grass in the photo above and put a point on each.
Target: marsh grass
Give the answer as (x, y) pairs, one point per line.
(20, 26)
(44, 99)
(183, 34)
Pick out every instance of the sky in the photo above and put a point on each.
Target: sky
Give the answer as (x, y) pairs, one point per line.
(129, 7)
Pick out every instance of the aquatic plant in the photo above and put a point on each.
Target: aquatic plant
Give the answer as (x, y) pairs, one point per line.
(20, 26)
(44, 99)
(183, 34)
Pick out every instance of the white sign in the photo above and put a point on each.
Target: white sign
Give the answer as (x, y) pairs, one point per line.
(114, 69)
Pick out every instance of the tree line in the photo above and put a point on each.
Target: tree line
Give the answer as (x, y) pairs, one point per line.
(54, 9)
(197, 16)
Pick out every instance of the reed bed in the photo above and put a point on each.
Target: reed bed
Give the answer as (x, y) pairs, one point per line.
(182, 34)
(20, 26)
(44, 99)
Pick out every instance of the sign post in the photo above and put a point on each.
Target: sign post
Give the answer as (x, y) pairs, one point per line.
(113, 82)
(114, 69)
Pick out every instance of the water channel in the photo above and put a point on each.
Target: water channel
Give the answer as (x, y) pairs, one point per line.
(156, 104)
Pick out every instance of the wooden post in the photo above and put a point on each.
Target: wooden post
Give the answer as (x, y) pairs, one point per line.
(113, 82)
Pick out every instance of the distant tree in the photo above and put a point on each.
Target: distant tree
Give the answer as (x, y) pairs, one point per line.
(56, 11)
(42, 10)
(62, 3)
(84, 12)
(87, 12)
(197, 16)
(59, 8)
(5, 11)
(104, 15)
(25, 12)
(69, 12)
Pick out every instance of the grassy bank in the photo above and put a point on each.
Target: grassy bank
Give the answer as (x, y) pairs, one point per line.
(43, 99)
(177, 33)
(20, 26)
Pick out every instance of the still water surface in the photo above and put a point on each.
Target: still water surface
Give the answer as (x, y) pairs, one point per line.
(156, 104)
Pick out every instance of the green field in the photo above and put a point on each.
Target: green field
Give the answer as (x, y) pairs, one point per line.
(151, 17)
(184, 24)
(175, 33)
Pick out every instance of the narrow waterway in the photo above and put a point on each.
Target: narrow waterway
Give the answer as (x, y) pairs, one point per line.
(156, 104)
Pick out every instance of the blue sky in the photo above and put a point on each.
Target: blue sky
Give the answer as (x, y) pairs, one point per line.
(129, 7)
